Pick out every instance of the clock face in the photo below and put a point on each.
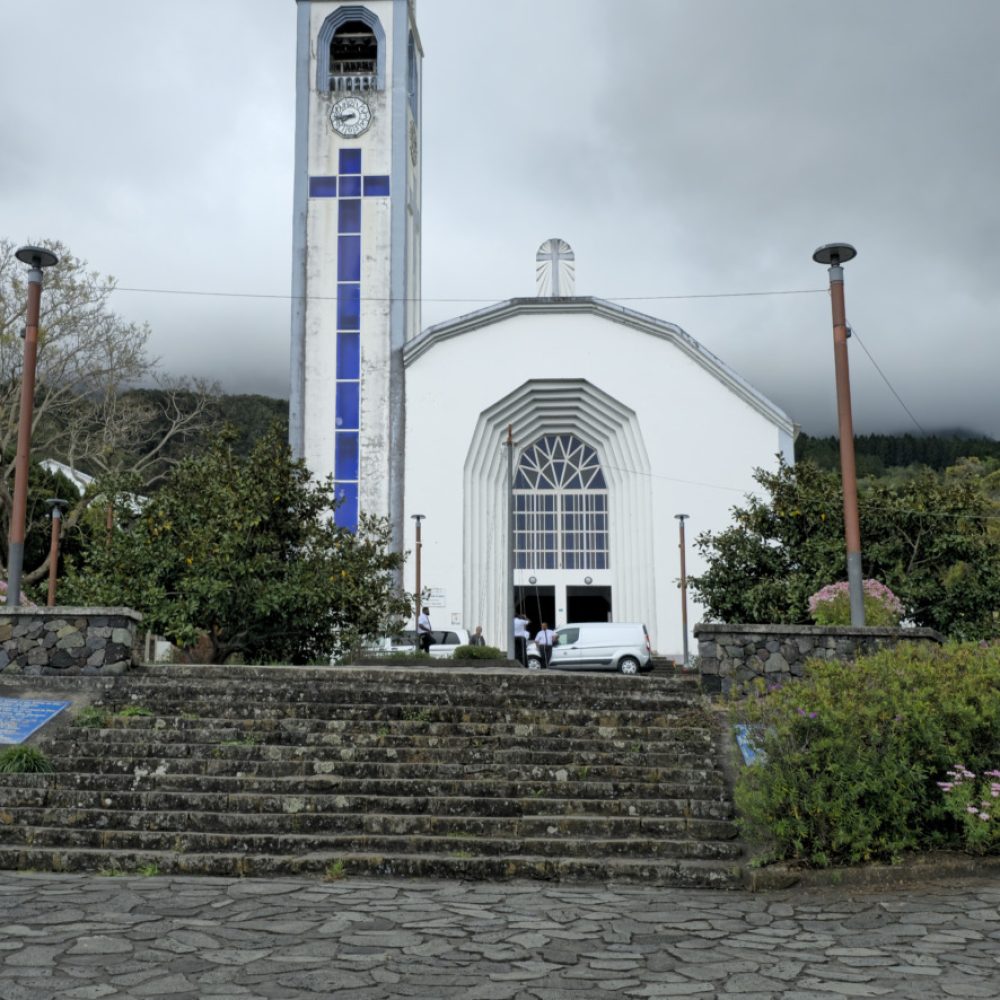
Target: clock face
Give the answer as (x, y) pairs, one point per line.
(350, 116)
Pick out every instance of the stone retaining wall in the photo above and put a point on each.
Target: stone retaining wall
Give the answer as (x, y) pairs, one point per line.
(731, 655)
(37, 641)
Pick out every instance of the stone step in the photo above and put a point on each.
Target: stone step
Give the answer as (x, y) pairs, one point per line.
(65, 752)
(244, 765)
(430, 786)
(317, 732)
(199, 841)
(25, 798)
(677, 873)
(426, 772)
(233, 709)
(542, 825)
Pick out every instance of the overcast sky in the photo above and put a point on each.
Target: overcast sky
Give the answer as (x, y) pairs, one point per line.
(683, 148)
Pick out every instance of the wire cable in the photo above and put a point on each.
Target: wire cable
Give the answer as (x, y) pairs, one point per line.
(386, 298)
(899, 399)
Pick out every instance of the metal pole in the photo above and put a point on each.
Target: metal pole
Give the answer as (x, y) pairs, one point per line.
(684, 600)
(834, 255)
(36, 258)
(57, 506)
(510, 541)
(417, 550)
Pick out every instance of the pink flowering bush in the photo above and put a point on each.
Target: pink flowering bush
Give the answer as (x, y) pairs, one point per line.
(832, 604)
(975, 804)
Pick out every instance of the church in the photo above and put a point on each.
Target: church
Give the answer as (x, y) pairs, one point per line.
(544, 447)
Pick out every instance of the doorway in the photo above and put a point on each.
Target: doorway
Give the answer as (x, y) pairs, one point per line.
(538, 605)
(588, 604)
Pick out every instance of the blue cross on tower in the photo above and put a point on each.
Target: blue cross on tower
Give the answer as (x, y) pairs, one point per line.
(350, 186)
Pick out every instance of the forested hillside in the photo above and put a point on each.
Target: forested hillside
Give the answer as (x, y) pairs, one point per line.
(251, 416)
(877, 453)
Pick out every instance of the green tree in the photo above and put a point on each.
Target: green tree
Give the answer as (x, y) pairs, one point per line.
(88, 357)
(244, 551)
(932, 539)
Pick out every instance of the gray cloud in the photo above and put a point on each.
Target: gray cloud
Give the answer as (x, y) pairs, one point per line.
(681, 146)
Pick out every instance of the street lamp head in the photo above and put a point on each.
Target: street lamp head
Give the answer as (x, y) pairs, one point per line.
(835, 253)
(681, 517)
(418, 517)
(36, 256)
(56, 505)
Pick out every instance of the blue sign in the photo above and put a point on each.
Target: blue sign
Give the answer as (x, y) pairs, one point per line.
(745, 741)
(20, 717)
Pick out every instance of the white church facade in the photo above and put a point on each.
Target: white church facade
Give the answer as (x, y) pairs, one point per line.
(619, 421)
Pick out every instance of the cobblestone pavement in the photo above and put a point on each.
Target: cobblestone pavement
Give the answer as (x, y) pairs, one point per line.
(79, 936)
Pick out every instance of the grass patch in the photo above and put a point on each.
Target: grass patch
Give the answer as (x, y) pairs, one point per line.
(335, 871)
(24, 760)
(92, 718)
(134, 711)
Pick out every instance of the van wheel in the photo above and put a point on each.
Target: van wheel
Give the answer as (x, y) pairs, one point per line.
(628, 665)
(534, 663)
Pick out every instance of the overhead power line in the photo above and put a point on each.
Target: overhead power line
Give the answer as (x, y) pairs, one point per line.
(386, 298)
(854, 333)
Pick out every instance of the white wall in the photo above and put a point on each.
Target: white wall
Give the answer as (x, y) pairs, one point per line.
(702, 440)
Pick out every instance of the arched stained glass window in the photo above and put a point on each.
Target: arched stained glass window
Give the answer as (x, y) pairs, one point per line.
(560, 506)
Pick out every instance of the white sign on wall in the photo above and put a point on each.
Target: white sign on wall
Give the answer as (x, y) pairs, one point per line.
(436, 597)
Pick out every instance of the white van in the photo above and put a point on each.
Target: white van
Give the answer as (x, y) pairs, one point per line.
(620, 646)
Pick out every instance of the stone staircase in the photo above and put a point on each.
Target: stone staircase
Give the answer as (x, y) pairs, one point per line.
(436, 772)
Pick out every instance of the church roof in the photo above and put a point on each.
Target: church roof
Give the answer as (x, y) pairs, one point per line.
(682, 340)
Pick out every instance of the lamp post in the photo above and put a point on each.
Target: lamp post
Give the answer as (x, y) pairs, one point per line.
(417, 547)
(57, 506)
(509, 445)
(684, 598)
(36, 258)
(833, 255)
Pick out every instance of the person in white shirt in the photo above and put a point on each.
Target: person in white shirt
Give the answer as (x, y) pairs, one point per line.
(424, 635)
(543, 640)
(521, 638)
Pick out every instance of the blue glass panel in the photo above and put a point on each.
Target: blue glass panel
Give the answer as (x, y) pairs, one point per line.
(598, 483)
(346, 514)
(574, 483)
(349, 217)
(322, 187)
(350, 187)
(520, 561)
(348, 405)
(349, 355)
(348, 307)
(601, 561)
(345, 464)
(521, 482)
(348, 258)
(350, 161)
(520, 521)
(377, 187)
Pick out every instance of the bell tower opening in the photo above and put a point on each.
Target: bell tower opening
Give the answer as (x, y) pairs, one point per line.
(353, 57)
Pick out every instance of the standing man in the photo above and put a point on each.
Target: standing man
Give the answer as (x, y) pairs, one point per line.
(544, 640)
(424, 636)
(477, 638)
(521, 638)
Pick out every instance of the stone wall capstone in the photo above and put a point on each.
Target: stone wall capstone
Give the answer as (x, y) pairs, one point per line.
(730, 656)
(37, 641)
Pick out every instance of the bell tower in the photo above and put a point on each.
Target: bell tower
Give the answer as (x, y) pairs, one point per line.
(356, 247)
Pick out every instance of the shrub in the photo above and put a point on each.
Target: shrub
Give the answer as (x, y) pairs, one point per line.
(24, 760)
(832, 605)
(478, 653)
(853, 752)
